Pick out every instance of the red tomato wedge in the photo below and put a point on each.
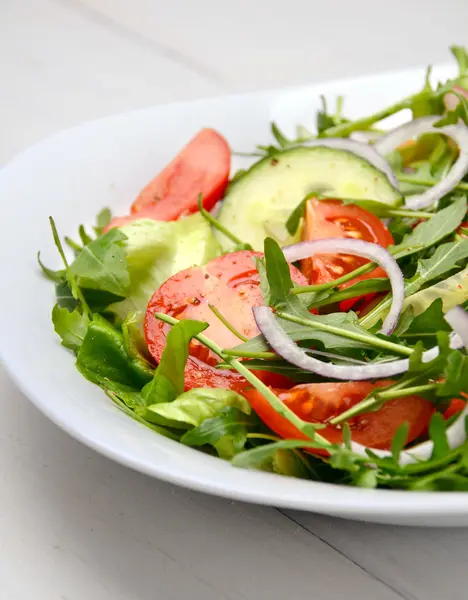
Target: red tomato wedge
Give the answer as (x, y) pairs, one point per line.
(455, 407)
(230, 283)
(201, 167)
(320, 402)
(332, 219)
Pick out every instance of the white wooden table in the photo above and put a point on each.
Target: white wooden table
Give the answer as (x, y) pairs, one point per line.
(74, 525)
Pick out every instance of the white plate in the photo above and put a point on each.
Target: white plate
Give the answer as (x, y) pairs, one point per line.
(105, 163)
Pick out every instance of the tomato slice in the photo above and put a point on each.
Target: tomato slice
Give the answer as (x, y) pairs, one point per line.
(455, 407)
(332, 219)
(201, 167)
(320, 402)
(231, 283)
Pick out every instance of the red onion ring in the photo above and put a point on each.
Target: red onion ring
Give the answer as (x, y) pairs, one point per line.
(280, 342)
(363, 150)
(457, 318)
(374, 252)
(458, 132)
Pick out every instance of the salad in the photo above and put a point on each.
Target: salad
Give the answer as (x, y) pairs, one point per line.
(306, 316)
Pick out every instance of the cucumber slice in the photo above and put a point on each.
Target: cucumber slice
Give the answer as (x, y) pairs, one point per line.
(261, 200)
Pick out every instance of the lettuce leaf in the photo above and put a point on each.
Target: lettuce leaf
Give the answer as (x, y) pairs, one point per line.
(155, 250)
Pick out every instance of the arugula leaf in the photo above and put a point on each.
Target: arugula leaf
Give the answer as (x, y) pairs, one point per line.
(438, 435)
(419, 370)
(64, 296)
(192, 408)
(96, 300)
(70, 326)
(257, 457)
(102, 355)
(444, 260)
(168, 381)
(426, 324)
(461, 57)
(456, 375)
(294, 219)
(57, 276)
(103, 218)
(227, 432)
(282, 140)
(432, 231)
(279, 277)
(84, 237)
(324, 120)
(102, 264)
(399, 441)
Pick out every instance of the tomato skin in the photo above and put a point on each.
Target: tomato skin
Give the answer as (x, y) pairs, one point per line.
(320, 402)
(230, 283)
(202, 166)
(332, 219)
(455, 407)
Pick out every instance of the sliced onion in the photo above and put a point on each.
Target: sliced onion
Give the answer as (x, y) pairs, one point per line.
(457, 318)
(458, 132)
(374, 252)
(456, 435)
(363, 150)
(364, 136)
(281, 343)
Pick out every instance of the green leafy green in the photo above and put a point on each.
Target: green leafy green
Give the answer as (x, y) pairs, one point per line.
(426, 324)
(134, 341)
(70, 326)
(227, 432)
(102, 355)
(103, 218)
(438, 435)
(168, 381)
(399, 441)
(57, 276)
(445, 259)
(102, 264)
(455, 375)
(430, 232)
(461, 56)
(282, 140)
(257, 457)
(64, 296)
(192, 408)
(156, 250)
(294, 219)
